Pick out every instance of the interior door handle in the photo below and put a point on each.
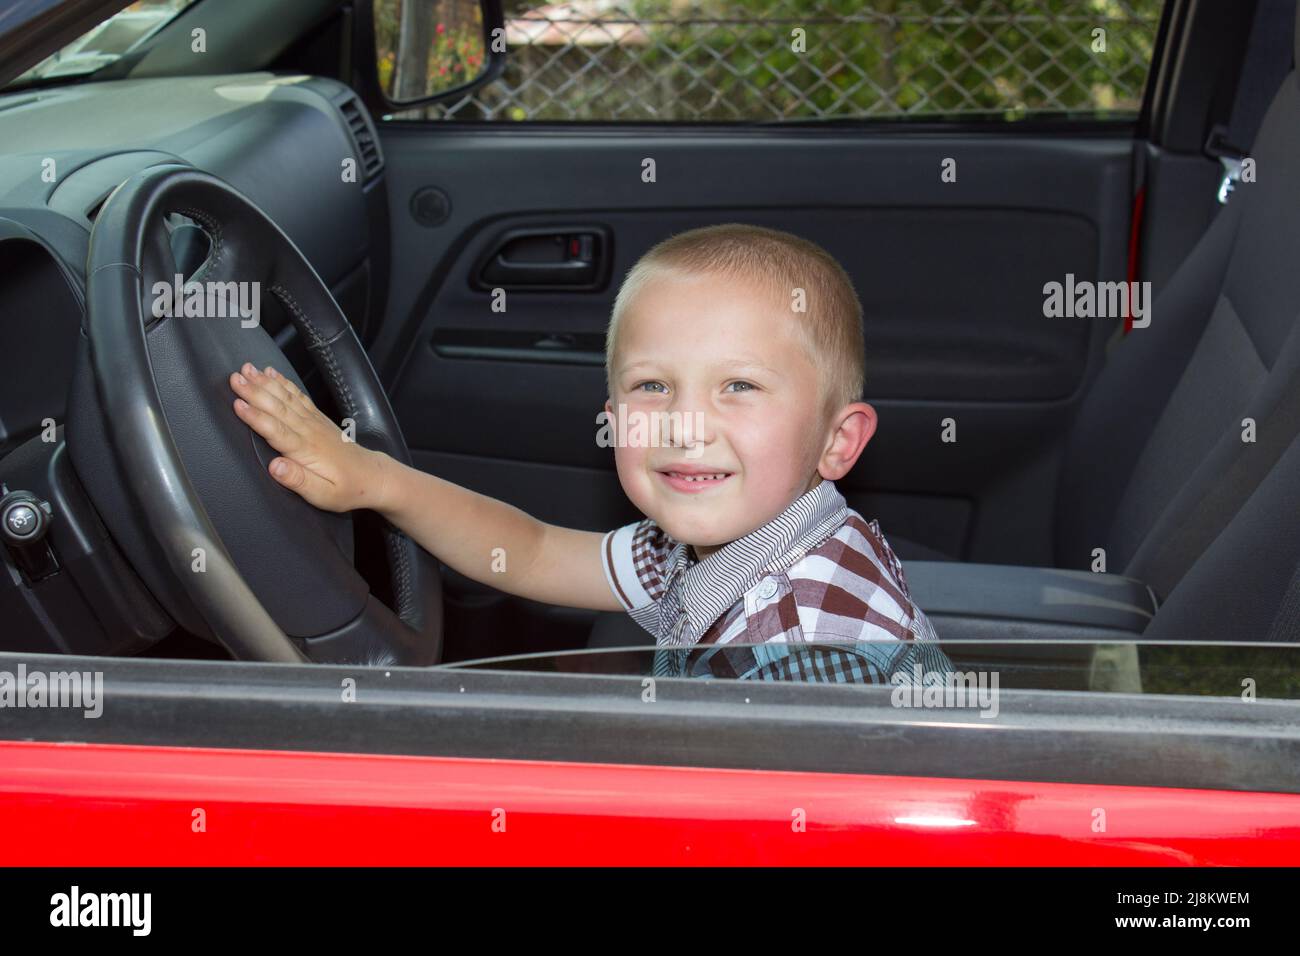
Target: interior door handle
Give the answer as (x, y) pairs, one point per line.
(567, 258)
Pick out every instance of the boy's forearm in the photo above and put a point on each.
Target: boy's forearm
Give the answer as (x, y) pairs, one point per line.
(460, 527)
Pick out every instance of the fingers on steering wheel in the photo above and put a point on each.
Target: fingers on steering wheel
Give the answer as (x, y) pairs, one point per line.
(271, 427)
(267, 394)
(293, 390)
(261, 392)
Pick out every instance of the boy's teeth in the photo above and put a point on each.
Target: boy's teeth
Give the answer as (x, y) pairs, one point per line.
(701, 477)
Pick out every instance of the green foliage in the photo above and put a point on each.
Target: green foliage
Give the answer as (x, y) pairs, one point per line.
(1214, 669)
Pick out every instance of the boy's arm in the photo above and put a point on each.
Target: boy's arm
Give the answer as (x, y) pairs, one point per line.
(462, 528)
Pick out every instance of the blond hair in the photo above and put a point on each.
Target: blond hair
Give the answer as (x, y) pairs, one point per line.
(831, 327)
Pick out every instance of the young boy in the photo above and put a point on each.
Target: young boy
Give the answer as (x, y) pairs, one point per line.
(747, 343)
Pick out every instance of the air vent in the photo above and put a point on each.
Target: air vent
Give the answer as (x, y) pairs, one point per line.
(363, 135)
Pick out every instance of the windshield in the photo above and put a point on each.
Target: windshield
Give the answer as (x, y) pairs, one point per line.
(1238, 670)
(107, 42)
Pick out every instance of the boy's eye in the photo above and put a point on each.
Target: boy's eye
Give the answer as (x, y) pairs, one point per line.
(741, 386)
(650, 386)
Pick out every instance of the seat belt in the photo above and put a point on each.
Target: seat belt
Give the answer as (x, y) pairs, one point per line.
(1276, 429)
(1269, 59)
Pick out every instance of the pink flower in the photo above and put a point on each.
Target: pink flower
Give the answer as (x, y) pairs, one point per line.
(440, 29)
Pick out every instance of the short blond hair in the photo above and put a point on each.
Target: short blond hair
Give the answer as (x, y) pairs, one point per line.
(831, 326)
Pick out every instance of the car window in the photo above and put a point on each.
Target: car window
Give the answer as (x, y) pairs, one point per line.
(108, 41)
(811, 60)
(1237, 670)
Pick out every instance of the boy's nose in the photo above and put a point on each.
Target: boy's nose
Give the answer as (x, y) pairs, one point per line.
(688, 425)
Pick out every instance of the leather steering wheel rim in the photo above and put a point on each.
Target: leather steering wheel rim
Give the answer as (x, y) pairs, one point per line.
(128, 247)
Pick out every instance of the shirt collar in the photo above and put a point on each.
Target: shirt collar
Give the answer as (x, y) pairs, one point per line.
(710, 587)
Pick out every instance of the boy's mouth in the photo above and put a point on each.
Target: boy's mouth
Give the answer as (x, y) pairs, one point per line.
(692, 480)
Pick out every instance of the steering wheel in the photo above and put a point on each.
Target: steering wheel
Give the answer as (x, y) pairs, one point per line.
(182, 483)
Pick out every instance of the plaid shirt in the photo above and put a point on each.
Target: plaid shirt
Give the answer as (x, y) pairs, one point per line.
(816, 574)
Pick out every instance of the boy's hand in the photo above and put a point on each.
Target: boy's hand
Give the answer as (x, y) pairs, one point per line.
(464, 529)
(316, 462)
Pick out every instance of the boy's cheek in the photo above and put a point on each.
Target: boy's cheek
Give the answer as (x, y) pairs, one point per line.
(630, 465)
(774, 437)
(628, 457)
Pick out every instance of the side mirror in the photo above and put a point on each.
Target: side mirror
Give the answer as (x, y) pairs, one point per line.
(417, 52)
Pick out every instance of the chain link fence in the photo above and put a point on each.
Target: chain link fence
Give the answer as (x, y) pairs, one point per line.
(785, 60)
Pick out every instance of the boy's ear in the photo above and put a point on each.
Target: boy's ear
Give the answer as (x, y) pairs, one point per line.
(853, 427)
(608, 411)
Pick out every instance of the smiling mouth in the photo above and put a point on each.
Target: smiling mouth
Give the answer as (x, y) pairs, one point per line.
(694, 481)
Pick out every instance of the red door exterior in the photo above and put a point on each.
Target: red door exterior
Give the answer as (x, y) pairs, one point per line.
(95, 805)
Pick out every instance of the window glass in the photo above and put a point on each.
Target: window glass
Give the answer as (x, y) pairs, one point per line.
(807, 60)
(1243, 671)
(107, 42)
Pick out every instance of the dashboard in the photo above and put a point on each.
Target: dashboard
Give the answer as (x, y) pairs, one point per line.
(302, 148)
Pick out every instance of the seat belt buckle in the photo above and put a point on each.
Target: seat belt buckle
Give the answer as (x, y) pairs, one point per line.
(1229, 156)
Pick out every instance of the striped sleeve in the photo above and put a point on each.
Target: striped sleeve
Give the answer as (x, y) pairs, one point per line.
(628, 564)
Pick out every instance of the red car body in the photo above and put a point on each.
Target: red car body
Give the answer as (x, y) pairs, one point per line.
(92, 805)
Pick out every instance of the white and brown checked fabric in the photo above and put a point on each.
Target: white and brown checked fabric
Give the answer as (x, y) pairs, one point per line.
(816, 594)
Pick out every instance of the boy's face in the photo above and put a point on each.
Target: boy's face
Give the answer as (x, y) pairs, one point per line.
(721, 355)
